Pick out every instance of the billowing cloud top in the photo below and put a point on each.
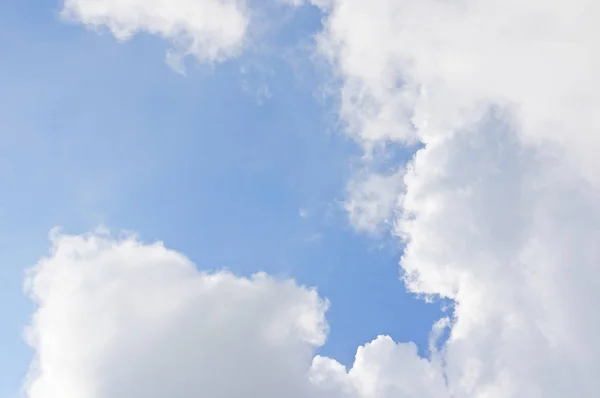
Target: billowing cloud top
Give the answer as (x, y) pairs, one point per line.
(415, 69)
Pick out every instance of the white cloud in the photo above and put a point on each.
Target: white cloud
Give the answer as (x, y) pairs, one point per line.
(118, 318)
(437, 65)
(382, 369)
(373, 198)
(122, 319)
(500, 208)
(210, 30)
(499, 211)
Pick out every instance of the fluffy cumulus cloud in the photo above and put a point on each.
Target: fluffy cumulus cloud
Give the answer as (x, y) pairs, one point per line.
(210, 30)
(499, 209)
(120, 318)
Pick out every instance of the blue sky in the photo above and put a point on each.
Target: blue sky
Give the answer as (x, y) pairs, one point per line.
(97, 132)
(244, 164)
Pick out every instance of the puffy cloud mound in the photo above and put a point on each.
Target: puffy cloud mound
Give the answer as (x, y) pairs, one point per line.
(119, 318)
(210, 30)
(123, 319)
(382, 369)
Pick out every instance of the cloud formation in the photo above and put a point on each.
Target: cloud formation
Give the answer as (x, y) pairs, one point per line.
(209, 30)
(117, 318)
(498, 211)
(500, 207)
(123, 319)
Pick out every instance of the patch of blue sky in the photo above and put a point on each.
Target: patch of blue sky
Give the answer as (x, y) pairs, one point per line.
(233, 166)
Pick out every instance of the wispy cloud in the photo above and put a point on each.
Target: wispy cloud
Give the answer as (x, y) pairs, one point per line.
(209, 30)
